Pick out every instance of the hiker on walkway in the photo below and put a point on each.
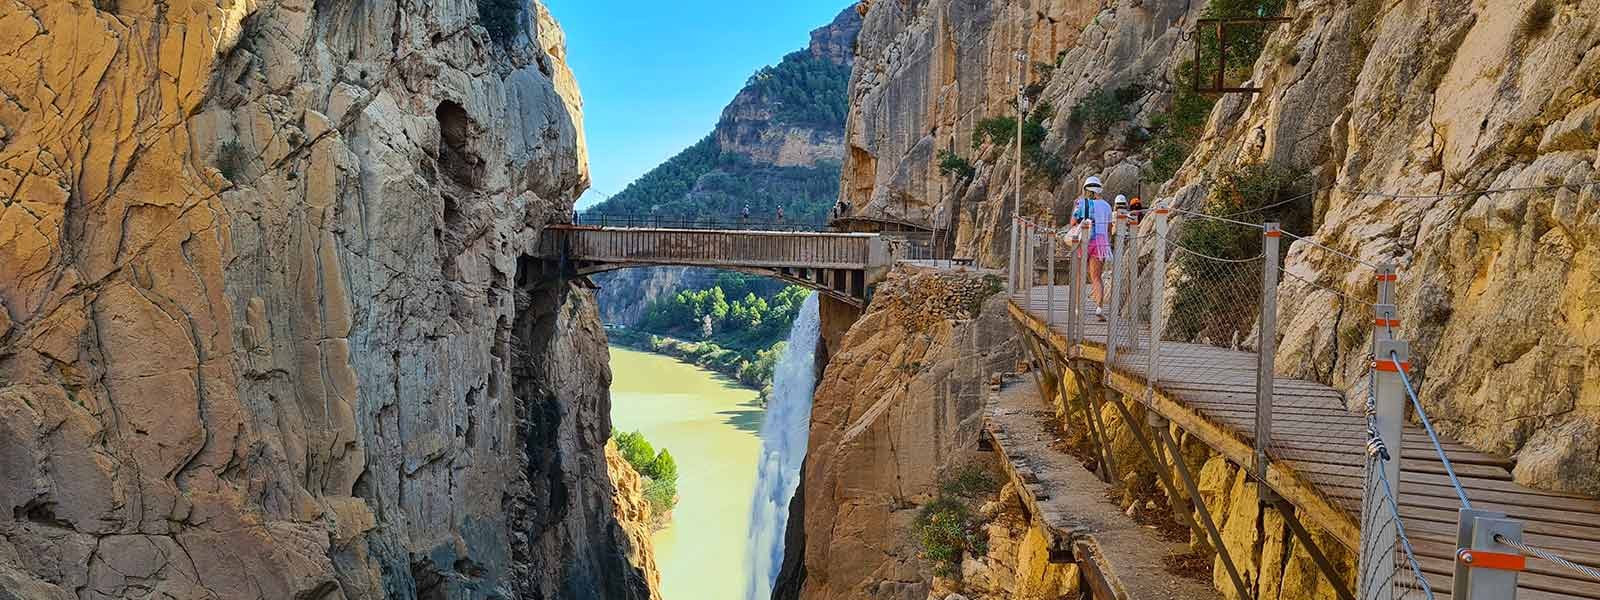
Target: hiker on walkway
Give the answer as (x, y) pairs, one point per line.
(745, 216)
(780, 215)
(1092, 208)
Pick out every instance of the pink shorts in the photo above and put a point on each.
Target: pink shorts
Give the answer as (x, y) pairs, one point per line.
(1099, 248)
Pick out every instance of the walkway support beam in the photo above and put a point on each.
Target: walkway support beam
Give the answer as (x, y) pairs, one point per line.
(1205, 515)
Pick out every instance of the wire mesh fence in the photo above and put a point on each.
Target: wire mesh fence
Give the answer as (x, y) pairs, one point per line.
(1397, 574)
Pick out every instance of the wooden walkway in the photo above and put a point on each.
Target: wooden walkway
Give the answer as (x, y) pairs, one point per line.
(1319, 453)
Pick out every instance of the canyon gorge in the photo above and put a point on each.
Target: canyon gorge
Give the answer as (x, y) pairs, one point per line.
(275, 323)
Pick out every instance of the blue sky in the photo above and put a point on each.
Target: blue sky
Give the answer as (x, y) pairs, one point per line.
(655, 75)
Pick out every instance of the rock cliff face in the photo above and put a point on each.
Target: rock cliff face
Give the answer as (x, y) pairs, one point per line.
(897, 405)
(754, 124)
(1497, 289)
(264, 328)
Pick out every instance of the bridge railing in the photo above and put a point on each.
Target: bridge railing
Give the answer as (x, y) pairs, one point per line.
(724, 222)
(1182, 277)
(701, 247)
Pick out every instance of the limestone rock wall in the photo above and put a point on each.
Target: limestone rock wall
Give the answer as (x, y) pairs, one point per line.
(633, 513)
(1410, 98)
(264, 330)
(898, 403)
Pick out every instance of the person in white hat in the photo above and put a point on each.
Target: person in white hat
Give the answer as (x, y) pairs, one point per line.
(1097, 211)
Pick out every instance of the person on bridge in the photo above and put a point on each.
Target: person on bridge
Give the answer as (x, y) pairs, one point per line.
(780, 215)
(1097, 212)
(745, 216)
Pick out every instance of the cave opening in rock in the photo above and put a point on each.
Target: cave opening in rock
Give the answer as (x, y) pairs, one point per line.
(456, 134)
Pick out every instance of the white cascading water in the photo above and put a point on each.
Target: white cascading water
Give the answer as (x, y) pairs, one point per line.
(785, 432)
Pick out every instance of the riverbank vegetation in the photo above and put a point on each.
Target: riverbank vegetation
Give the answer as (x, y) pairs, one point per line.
(741, 338)
(660, 474)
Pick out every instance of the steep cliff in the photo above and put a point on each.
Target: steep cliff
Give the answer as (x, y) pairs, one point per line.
(1361, 101)
(896, 410)
(265, 325)
(778, 143)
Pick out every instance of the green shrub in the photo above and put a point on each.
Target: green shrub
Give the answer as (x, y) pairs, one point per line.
(662, 497)
(231, 159)
(945, 529)
(637, 451)
(999, 130)
(1040, 164)
(659, 470)
(952, 164)
(1103, 108)
(1245, 41)
(502, 18)
(664, 468)
(969, 481)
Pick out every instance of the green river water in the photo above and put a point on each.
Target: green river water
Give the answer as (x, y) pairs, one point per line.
(711, 425)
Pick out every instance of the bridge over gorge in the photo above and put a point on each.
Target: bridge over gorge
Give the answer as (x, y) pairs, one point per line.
(1186, 342)
(840, 265)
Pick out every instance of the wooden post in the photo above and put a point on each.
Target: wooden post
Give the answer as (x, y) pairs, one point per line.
(1266, 347)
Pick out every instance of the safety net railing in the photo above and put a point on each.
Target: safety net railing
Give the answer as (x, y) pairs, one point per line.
(1173, 283)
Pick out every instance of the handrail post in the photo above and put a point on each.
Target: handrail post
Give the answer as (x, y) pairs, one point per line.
(1486, 567)
(1011, 260)
(1387, 412)
(1074, 286)
(1266, 347)
(1031, 243)
(1050, 281)
(1113, 320)
(1158, 293)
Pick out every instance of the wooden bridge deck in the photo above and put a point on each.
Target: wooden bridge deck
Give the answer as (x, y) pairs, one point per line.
(1319, 455)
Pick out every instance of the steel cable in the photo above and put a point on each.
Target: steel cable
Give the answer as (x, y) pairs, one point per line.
(1589, 572)
(1529, 188)
(1427, 424)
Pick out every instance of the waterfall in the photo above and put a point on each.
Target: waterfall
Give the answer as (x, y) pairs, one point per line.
(784, 435)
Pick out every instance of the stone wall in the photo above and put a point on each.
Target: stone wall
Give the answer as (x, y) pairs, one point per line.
(264, 330)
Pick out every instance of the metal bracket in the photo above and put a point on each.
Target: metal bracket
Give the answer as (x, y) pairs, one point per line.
(1483, 571)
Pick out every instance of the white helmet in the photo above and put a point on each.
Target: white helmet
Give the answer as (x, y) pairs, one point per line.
(1092, 184)
(1121, 201)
